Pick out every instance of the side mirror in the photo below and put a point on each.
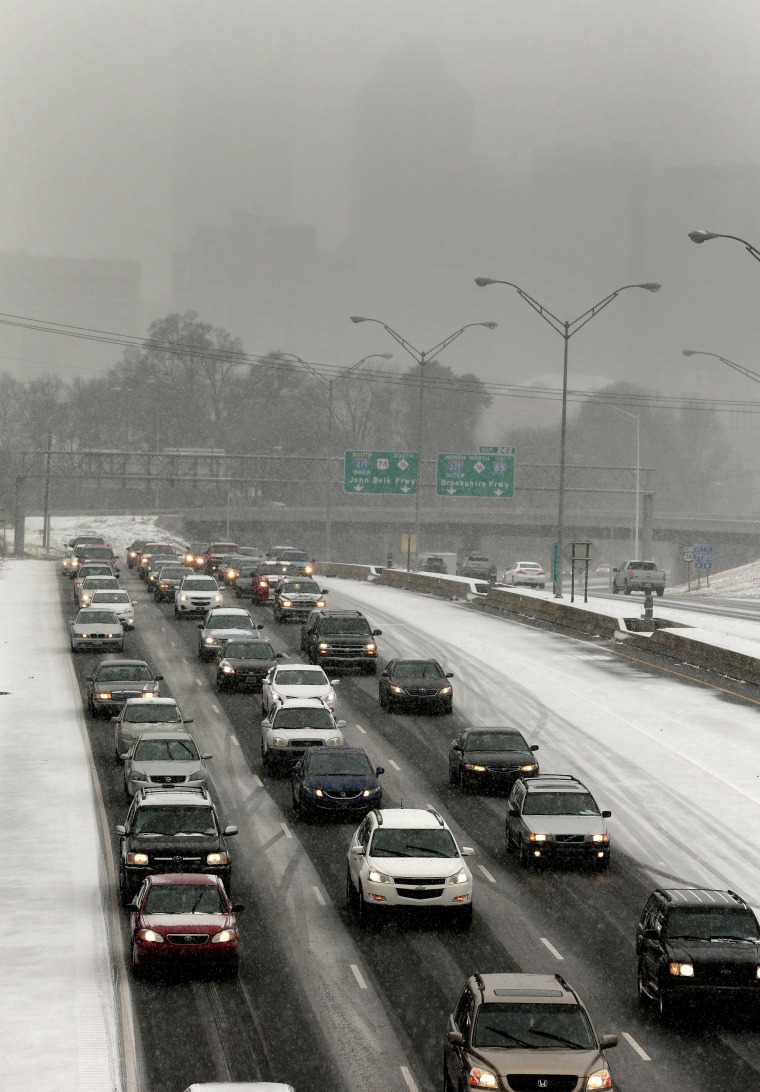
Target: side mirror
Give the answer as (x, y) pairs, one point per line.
(449, 674)
(384, 674)
(534, 746)
(377, 633)
(340, 724)
(121, 830)
(199, 625)
(468, 851)
(90, 678)
(379, 770)
(615, 570)
(513, 813)
(229, 831)
(325, 591)
(158, 678)
(357, 849)
(608, 1041)
(237, 907)
(188, 720)
(606, 815)
(114, 718)
(455, 1038)
(334, 682)
(279, 655)
(134, 905)
(206, 757)
(260, 625)
(125, 756)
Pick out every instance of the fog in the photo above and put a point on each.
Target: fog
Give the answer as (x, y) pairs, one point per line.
(278, 166)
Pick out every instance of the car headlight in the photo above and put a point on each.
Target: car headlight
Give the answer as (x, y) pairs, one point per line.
(137, 858)
(133, 553)
(196, 775)
(85, 599)
(308, 569)
(377, 877)
(285, 603)
(445, 690)
(320, 603)
(537, 838)
(228, 669)
(279, 741)
(529, 767)
(600, 1079)
(311, 792)
(217, 598)
(224, 936)
(138, 775)
(217, 858)
(459, 877)
(334, 741)
(210, 641)
(231, 574)
(371, 646)
(183, 598)
(323, 646)
(150, 935)
(371, 792)
(104, 695)
(482, 1078)
(476, 768)
(682, 970)
(330, 695)
(397, 690)
(600, 837)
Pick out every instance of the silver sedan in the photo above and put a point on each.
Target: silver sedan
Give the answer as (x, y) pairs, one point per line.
(164, 760)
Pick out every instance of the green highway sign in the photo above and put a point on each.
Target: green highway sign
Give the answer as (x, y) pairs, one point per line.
(380, 472)
(481, 475)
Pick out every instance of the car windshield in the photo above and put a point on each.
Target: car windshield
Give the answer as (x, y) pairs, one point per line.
(495, 741)
(184, 898)
(293, 555)
(560, 803)
(100, 582)
(424, 842)
(175, 819)
(416, 669)
(275, 568)
(100, 617)
(303, 677)
(293, 587)
(332, 765)
(345, 625)
(166, 750)
(533, 1025)
(94, 551)
(229, 621)
(707, 922)
(123, 673)
(110, 597)
(303, 718)
(249, 650)
(87, 572)
(199, 583)
(152, 713)
(157, 560)
(246, 569)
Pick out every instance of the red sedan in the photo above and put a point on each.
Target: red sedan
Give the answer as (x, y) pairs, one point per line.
(268, 575)
(184, 920)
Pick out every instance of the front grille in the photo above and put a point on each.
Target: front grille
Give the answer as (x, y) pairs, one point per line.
(426, 893)
(502, 769)
(725, 974)
(187, 938)
(122, 695)
(301, 743)
(177, 779)
(344, 650)
(178, 862)
(424, 693)
(344, 796)
(550, 1082)
(569, 838)
(417, 881)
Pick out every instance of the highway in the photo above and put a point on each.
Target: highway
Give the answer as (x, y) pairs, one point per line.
(319, 1001)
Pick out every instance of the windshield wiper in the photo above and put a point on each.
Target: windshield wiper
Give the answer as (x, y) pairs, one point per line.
(506, 1035)
(685, 936)
(560, 1039)
(193, 834)
(729, 936)
(427, 851)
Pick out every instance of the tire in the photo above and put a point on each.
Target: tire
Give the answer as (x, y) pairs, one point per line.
(177, 614)
(509, 844)
(455, 776)
(366, 913)
(643, 996)
(626, 589)
(523, 857)
(382, 699)
(665, 1006)
(137, 970)
(266, 762)
(615, 589)
(124, 893)
(660, 592)
(71, 646)
(370, 669)
(447, 1085)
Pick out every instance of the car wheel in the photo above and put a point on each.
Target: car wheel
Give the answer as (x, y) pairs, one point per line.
(615, 589)
(382, 699)
(463, 918)
(177, 614)
(509, 844)
(641, 992)
(626, 589)
(455, 775)
(266, 762)
(137, 970)
(447, 1085)
(124, 893)
(660, 591)
(665, 1005)
(524, 854)
(365, 911)
(71, 646)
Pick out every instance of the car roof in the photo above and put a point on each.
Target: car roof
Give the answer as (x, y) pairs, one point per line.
(503, 987)
(556, 783)
(167, 797)
(163, 734)
(125, 663)
(300, 703)
(151, 701)
(343, 749)
(417, 818)
(210, 879)
(500, 729)
(700, 896)
(228, 610)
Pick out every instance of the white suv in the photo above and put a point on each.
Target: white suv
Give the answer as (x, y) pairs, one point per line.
(196, 595)
(408, 857)
(291, 726)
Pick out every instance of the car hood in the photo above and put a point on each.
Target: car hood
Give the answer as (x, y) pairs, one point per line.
(508, 759)
(549, 1062)
(259, 666)
(297, 735)
(565, 824)
(724, 952)
(413, 685)
(186, 923)
(85, 627)
(351, 783)
(162, 845)
(227, 634)
(169, 768)
(425, 867)
(290, 691)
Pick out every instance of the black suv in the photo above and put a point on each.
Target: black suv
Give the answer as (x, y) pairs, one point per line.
(171, 830)
(694, 943)
(340, 637)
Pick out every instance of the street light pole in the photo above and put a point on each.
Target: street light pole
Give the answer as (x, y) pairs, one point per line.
(706, 236)
(422, 357)
(565, 329)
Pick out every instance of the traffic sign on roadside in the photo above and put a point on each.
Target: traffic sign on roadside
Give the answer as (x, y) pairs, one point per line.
(702, 557)
(688, 555)
(380, 472)
(481, 475)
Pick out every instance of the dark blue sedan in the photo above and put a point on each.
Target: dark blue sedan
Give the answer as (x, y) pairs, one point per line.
(335, 781)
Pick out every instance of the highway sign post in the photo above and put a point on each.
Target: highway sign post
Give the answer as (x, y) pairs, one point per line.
(380, 472)
(703, 560)
(490, 473)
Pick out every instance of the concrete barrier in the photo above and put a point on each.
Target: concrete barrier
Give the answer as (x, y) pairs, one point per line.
(678, 646)
(446, 587)
(550, 610)
(346, 572)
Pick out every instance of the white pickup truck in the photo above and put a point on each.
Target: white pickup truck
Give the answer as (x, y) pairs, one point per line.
(638, 576)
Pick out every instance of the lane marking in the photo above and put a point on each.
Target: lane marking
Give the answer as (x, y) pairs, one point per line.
(639, 1050)
(486, 873)
(362, 730)
(198, 682)
(320, 896)
(551, 948)
(407, 1075)
(235, 740)
(682, 675)
(358, 977)
(395, 766)
(216, 708)
(258, 781)
(286, 830)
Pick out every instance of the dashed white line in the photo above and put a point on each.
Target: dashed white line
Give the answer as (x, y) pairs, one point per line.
(235, 740)
(395, 766)
(320, 896)
(358, 977)
(486, 873)
(407, 1075)
(258, 781)
(216, 708)
(198, 682)
(551, 948)
(639, 1050)
(286, 830)
(362, 730)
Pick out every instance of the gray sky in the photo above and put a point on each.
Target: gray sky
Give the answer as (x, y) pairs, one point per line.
(102, 100)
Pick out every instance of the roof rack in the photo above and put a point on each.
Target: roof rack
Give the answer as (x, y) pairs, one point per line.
(480, 984)
(564, 984)
(378, 815)
(162, 791)
(440, 818)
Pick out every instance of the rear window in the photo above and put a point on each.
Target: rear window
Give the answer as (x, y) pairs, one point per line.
(649, 566)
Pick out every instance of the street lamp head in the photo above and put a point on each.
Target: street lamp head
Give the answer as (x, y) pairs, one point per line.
(384, 356)
(691, 352)
(481, 282)
(359, 318)
(651, 286)
(702, 236)
(489, 325)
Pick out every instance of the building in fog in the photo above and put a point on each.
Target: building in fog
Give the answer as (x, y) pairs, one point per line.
(97, 293)
(268, 283)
